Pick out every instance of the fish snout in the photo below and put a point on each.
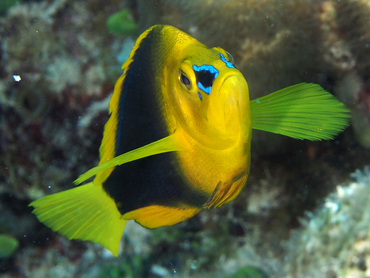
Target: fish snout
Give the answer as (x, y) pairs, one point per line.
(229, 109)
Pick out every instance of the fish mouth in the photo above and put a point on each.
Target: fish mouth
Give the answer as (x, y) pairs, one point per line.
(229, 108)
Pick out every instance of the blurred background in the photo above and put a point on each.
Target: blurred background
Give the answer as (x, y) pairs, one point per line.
(305, 210)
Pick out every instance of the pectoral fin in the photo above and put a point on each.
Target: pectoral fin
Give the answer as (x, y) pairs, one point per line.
(170, 143)
(302, 111)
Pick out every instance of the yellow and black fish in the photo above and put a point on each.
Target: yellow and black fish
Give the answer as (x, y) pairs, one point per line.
(178, 139)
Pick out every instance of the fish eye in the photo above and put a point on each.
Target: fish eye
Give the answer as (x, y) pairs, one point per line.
(184, 80)
(230, 57)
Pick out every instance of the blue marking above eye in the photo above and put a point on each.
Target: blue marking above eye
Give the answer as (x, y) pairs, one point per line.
(228, 64)
(209, 68)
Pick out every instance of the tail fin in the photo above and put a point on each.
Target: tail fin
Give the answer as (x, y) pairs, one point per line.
(302, 111)
(85, 212)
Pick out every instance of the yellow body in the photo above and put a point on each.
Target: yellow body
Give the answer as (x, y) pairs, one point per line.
(217, 130)
(198, 103)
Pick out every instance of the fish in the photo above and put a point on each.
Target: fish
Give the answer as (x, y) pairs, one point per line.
(178, 139)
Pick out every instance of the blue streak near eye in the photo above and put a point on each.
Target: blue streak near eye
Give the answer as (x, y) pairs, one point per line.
(200, 96)
(228, 64)
(206, 90)
(209, 68)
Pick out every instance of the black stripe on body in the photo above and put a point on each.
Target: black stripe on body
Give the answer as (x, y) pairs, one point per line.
(155, 180)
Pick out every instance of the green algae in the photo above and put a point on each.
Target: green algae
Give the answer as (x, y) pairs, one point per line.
(248, 272)
(6, 4)
(8, 245)
(132, 267)
(121, 23)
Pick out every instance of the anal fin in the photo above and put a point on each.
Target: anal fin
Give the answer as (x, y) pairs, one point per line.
(157, 216)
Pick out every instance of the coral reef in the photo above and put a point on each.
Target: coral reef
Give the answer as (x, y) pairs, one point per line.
(55, 67)
(57, 84)
(334, 241)
(354, 26)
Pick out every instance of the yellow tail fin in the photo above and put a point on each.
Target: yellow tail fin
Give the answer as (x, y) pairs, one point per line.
(85, 212)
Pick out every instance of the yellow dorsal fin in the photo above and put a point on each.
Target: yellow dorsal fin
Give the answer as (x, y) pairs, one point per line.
(85, 212)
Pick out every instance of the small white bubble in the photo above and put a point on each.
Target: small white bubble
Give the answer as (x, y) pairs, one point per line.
(37, 31)
(17, 78)
(49, 186)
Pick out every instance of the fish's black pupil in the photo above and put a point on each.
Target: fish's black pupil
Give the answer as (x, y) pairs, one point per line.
(185, 80)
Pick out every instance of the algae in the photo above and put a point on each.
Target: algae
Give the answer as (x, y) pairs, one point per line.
(8, 245)
(121, 23)
(6, 4)
(248, 272)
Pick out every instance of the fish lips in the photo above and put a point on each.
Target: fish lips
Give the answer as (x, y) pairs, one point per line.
(228, 109)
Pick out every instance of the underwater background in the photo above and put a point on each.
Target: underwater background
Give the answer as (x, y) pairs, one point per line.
(305, 211)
